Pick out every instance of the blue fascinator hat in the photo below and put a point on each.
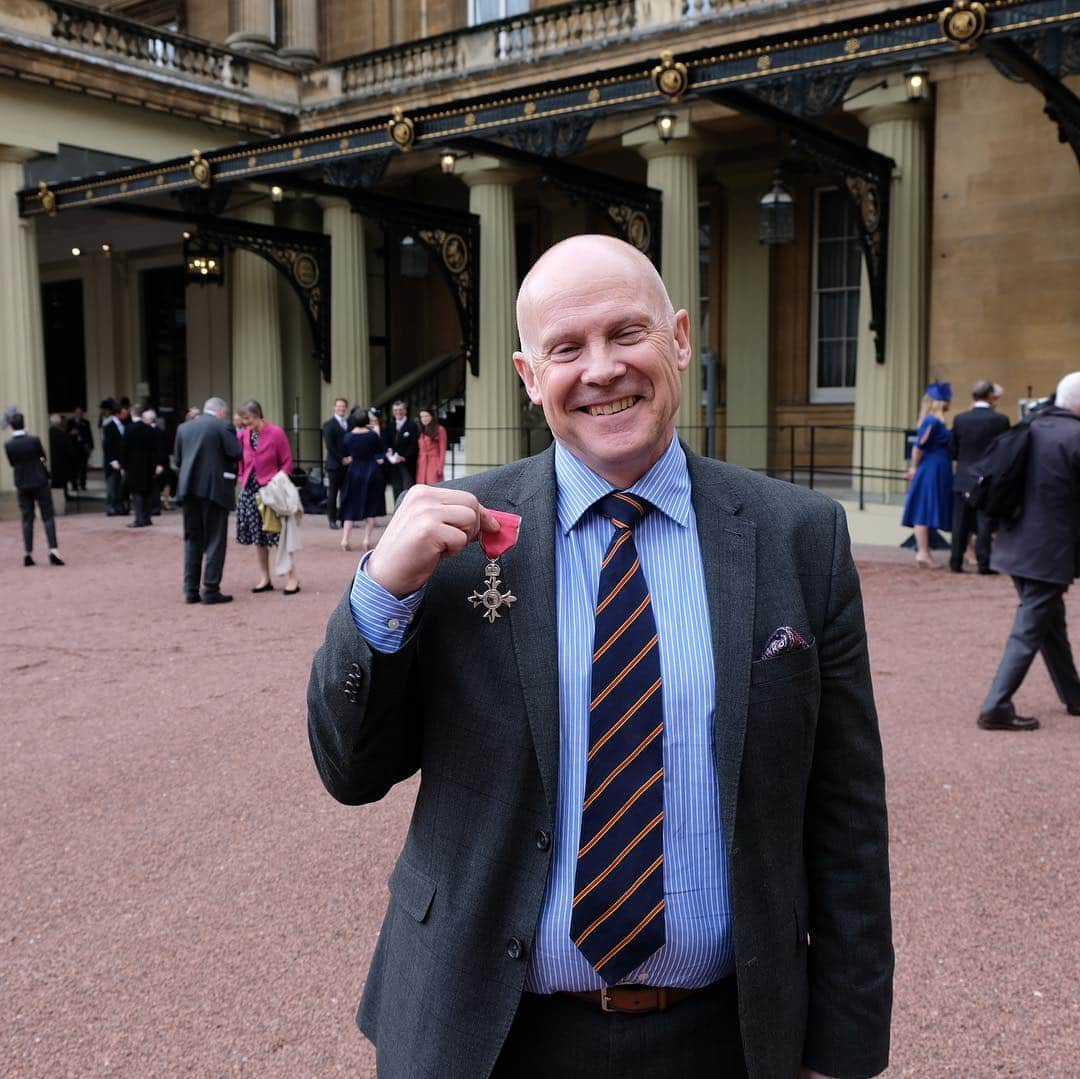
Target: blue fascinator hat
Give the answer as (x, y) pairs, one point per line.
(939, 391)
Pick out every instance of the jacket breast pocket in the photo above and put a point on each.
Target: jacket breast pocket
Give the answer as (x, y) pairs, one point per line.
(412, 890)
(785, 672)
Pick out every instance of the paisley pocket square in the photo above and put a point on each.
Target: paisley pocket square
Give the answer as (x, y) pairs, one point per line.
(785, 639)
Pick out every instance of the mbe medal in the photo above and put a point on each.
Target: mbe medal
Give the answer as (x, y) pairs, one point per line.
(490, 598)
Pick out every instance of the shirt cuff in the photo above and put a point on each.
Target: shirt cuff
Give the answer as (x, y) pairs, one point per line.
(380, 618)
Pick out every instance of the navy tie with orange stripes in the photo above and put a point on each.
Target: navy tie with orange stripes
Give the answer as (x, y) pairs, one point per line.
(618, 911)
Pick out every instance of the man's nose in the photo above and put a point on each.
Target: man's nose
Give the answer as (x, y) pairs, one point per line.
(600, 365)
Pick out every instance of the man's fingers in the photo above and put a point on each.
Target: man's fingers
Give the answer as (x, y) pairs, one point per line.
(488, 521)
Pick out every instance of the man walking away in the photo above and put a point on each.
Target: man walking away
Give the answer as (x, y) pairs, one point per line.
(333, 434)
(972, 433)
(27, 457)
(1040, 551)
(83, 437)
(207, 455)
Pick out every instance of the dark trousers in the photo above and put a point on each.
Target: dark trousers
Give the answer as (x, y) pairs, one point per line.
(401, 479)
(205, 533)
(561, 1036)
(114, 490)
(141, 502)
(80, 470)
(966, 520)
(1039, 626)
(42, 497)
(333, 486)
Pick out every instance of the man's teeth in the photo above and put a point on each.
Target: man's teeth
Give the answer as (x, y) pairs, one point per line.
(612, 407)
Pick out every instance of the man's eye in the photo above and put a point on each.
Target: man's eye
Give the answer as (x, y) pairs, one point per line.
(564, 352)
(630, 336)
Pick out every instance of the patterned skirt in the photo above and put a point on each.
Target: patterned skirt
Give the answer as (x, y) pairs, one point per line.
(248, 522)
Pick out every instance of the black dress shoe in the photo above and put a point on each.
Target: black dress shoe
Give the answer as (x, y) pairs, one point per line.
(192, 597)
(216, 597)
(1002, 719)
(956, 569)
(1073, 709)
(988, 572)
(335, 524)
(55, 559)
(28, 560)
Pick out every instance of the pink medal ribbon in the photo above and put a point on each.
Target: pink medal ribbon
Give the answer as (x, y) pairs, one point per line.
(489, 597)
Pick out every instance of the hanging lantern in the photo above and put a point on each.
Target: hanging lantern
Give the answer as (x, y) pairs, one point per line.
(414, 261)
(776, 214)
(204, 260)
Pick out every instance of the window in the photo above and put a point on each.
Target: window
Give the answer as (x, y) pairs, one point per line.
(481, 11)
(834, 317)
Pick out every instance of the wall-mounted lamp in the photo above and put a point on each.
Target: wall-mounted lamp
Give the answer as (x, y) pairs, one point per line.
(186, 235)
(665, 126)
(447, 161)
(917, 80)
(76, 251)
(276, 193)
(106, 248)
(776, 214)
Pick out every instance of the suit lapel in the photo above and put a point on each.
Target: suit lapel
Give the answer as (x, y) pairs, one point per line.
(729, 558)
(530, 574)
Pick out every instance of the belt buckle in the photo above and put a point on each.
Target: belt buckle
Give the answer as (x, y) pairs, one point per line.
(605, 999)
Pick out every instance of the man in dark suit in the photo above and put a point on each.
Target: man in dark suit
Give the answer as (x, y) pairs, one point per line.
(113, 427)
(142, 457)
(207, 454)
(705, 849)
(78, 426)
(972, 433)
(26, 455)
(333, 433)
(1041, 550)
(402, 438)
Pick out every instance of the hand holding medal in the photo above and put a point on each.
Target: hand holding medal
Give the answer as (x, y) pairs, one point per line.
(432, 523)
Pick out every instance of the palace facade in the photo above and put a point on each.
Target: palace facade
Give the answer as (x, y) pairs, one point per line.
(298, 200)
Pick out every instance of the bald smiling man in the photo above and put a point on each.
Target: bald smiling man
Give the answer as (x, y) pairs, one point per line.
(650, 835)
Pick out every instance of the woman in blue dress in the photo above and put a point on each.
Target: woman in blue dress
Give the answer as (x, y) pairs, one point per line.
(363, 493)
(929, 498)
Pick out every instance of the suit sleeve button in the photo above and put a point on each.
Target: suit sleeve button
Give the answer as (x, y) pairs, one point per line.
(514, 948)
(543, 840)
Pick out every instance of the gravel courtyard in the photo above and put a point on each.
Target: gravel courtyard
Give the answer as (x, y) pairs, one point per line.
(180, 897)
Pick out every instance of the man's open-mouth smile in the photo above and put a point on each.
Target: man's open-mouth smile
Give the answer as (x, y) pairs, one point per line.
(610, 408)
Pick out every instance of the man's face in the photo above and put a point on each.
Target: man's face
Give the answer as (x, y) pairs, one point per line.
(604, 359)
(400, 412)
(340, 408)
(123, 414)
(78, 413)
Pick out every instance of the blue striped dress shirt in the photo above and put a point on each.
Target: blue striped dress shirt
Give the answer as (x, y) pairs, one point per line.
(699, 948)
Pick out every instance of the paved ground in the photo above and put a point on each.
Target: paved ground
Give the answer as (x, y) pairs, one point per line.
(179, 896)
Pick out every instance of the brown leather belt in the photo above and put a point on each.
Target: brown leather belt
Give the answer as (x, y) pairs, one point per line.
(634, 999)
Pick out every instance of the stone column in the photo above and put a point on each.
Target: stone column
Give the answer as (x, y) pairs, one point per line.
(22, 346)
(300, 43)
(256, 330)
(493, 398)
(672, 170)
(253, 26)
(350, 358)
(746, 322)
(887, 395)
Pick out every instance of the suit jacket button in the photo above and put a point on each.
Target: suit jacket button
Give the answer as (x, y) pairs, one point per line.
(543, 840)
(514, 948)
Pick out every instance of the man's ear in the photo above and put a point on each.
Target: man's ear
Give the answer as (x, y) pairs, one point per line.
(683, 350)
(528, 376)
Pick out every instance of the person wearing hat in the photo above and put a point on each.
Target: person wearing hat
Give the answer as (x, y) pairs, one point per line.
(972, 433)
(929, 498)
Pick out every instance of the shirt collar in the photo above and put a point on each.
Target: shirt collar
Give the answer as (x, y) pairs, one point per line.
(981, 404)
(666, 486)
(16, 434)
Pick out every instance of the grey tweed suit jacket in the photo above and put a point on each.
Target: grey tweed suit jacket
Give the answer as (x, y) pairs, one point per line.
(475, 708)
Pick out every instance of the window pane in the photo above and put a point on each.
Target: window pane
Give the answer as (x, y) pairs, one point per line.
(852, 313)
(849, 367)
(830, 363)
(830, 316)
(854, 261)
(831, 256)
(486, 10)
(517, 7)
(832, 215)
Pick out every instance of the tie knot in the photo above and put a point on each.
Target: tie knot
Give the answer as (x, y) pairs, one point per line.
(624, 511)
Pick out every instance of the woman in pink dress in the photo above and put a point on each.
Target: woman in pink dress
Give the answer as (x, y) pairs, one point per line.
(432, 456)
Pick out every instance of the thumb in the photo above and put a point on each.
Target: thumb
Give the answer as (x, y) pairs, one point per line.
(488, 521)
